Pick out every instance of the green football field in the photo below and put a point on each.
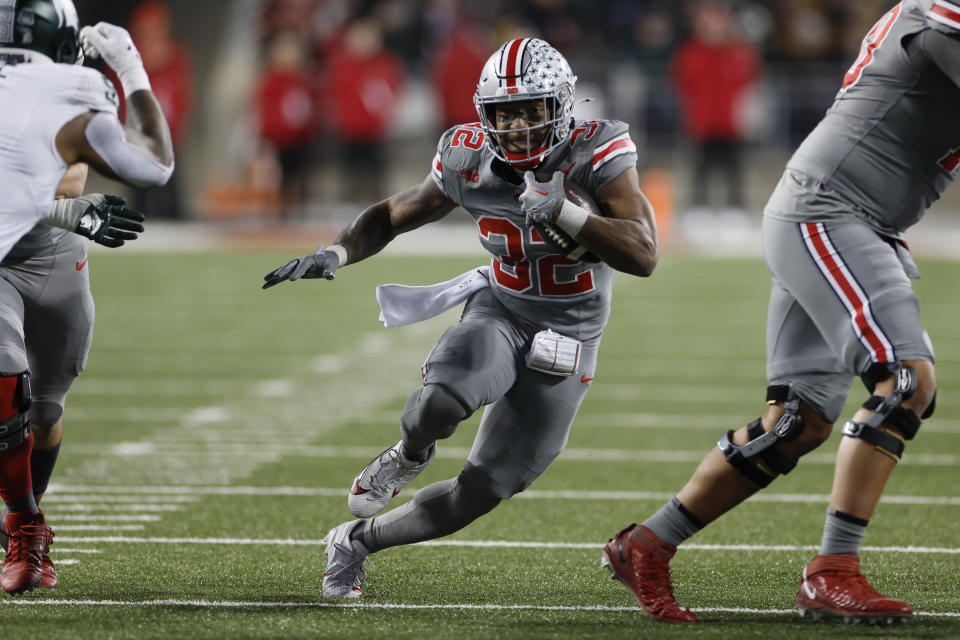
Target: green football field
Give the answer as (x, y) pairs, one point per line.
(209, 445)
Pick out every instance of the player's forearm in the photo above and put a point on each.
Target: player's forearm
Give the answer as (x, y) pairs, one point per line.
(630, 246)
(146, 120)
(74, 181)
(368, 234)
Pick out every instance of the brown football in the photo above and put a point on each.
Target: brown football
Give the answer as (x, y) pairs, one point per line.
(560, 239)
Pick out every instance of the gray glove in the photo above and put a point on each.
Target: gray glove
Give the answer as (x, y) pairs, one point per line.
(540, 201)
(101, 218)
(320, 264)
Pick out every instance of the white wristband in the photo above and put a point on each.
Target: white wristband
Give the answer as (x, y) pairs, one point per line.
(63, 215)
(340, 252)
(571, 218)
(134, 79)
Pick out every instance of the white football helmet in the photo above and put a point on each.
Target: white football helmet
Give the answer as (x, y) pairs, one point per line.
(527, 69)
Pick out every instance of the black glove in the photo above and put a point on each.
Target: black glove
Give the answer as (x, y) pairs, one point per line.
(109, 223)
(320, 264)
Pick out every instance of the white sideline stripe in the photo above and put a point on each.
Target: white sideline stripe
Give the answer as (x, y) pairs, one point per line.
(208, 604)
(54, 549)
(500, 544)
(533, 494)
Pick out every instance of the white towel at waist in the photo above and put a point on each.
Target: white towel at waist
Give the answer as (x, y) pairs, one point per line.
(401, 304)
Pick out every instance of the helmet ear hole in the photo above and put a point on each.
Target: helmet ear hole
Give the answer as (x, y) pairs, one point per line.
(67, 51)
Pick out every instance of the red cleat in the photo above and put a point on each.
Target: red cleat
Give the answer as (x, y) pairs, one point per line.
(28, 538)
(48, 577)
(833, 587)
(639, 559)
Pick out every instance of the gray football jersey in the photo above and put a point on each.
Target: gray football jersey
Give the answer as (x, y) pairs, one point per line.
(890, 143)
(531, 279)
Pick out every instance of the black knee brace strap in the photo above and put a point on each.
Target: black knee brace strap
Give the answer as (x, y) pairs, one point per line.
(16, 428)
(761, 443)
(905, 420)
(888, 409)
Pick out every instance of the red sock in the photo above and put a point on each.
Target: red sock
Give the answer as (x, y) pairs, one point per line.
(15, 479)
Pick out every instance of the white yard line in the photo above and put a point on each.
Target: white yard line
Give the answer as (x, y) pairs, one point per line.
(80, 506)
(97, 527)
(212, 604)
(330, 390)
(225, 448)
(123, 518)
(65, 497)
(158, 492)
(479, 544)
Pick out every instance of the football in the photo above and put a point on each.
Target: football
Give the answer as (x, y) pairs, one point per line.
(560, 239)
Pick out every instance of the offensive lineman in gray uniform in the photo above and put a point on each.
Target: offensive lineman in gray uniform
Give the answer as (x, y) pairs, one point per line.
(56, 118)
(539, 304)
(841, 306)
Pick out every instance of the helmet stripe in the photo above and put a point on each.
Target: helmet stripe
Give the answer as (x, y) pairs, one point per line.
(514, 62)
(501, 61)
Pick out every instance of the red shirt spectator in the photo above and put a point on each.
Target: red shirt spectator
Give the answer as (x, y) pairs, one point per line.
(365, 80)
(456, 67)
(169, 64)
(285, 96)
(711, 70)
(287, 110)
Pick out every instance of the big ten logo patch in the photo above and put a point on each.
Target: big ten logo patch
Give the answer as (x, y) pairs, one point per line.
(466, 174)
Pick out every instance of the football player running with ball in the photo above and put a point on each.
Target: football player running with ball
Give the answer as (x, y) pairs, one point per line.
(841, 306)
(526, 344)
(56, 119)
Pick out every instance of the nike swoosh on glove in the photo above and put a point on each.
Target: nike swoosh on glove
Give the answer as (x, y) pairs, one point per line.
(540, 201)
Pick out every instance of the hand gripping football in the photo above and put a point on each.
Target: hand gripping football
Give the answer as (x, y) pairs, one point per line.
(560, 239)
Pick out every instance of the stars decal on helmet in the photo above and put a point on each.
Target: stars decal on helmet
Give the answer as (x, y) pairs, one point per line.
(545, 63)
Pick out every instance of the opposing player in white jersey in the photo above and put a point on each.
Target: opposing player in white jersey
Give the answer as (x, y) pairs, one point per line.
(54, 114)
(526, 345)
(842, 306)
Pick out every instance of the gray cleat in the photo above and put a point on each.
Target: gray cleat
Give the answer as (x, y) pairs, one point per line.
(382, 479)
(345, 574)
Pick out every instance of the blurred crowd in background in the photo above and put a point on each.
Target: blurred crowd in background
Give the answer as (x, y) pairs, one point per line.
(340, 94)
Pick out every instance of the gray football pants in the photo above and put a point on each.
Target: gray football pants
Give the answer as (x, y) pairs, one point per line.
(46, 322)
(525, 426)
(841, 300)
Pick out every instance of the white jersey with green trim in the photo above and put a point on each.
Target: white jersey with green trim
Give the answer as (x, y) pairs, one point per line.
(531, 279)
(890, 143)
(36, 101)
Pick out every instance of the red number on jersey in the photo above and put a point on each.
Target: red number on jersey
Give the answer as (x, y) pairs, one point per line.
(549, 286)
(512, 271)
(588, 130)
(470, 138)
(868, 47)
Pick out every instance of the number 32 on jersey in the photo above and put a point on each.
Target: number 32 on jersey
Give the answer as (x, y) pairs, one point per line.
(514, 270)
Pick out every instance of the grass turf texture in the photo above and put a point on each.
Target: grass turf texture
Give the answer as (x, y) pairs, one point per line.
(269, 402)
